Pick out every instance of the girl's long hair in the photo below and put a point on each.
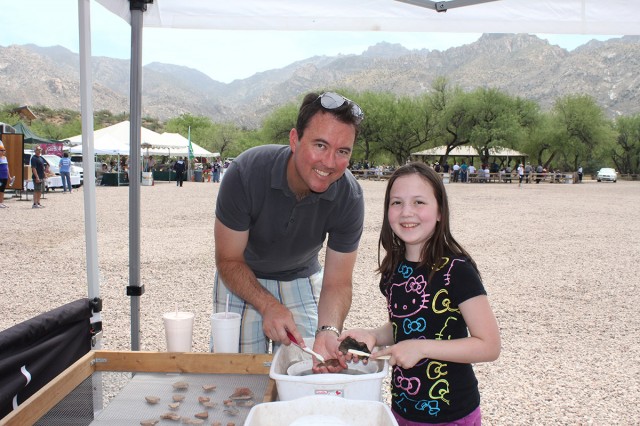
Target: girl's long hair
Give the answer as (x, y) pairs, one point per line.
(441, 243)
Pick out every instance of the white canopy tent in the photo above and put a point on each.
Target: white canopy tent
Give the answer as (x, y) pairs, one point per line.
(118, 134)
(174, 144)
(466, 151)
(115, 140)
(105, 145)
(614, 17)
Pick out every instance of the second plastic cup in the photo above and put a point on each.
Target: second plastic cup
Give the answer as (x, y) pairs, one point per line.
(225, 332)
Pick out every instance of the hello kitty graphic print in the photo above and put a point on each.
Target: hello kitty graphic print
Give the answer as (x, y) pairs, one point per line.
(433, 391)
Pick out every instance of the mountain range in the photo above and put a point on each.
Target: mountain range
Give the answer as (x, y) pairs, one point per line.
(519, 64)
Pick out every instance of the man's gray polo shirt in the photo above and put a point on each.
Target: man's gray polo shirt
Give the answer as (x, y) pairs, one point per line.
(285, 235)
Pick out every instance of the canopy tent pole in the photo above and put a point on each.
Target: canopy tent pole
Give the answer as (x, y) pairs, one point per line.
(135, 288)
(90, 216)
(86, 99)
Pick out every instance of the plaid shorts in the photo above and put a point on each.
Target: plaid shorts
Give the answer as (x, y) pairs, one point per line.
(39, 186)
(299, 296)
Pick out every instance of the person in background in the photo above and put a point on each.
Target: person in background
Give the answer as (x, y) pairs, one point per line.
(65, 172)
(151, 163)
(528, 169)
(276, 207)
(521, 172)
(464, 172)
(456, 171)
(471, 170)
(217, 168)
(180, 166)
(580, 174)
(440, 319)
(539, 173)
(5, 175)
(38, 174)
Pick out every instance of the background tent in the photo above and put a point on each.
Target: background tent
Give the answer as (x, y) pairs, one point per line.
(619, 17)
(174, 144)
(30, 137)
(466, 151)
(118, 135)
(105, 145)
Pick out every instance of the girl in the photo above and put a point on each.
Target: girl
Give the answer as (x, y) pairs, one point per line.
(440, 318)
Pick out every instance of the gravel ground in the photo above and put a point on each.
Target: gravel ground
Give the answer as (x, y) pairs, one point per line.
(559, 261)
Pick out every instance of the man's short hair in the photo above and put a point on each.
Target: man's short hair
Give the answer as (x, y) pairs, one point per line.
(311, 105)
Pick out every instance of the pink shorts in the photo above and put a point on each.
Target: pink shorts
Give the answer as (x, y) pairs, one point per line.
(472, 419)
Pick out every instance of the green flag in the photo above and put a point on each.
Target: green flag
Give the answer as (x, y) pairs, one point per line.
(190, 146)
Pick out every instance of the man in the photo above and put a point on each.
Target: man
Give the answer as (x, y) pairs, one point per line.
(275, 207)
(217, 167)
(464, 171)
(456, 171)
(38, 166)
(179, 166)
(527, 171)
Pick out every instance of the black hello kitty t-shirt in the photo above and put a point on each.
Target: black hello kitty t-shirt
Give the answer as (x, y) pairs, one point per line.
(433, 391)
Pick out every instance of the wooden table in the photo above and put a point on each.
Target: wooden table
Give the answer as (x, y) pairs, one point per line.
(141, 362)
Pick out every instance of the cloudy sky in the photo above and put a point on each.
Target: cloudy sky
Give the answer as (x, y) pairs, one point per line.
(223, 55)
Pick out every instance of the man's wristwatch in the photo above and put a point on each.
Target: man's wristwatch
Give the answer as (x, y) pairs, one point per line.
(328, 328)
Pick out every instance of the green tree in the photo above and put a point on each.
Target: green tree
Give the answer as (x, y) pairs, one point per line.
(198, 127)
(374, 126)
(224, 137)
(455, 120)
(496, 121)
(393, 127)
(276, 127)
(626, 152)
(581, 128)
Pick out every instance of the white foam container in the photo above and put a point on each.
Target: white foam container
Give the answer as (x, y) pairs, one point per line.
(321, 411)
(366, 386)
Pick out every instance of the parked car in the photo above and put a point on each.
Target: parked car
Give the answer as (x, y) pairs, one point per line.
(607, 174)
(76, 160)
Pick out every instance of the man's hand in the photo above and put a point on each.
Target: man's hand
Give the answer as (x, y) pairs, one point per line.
(326, 344)
(276, 320)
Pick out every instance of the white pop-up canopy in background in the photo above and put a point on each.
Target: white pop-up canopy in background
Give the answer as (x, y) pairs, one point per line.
(115, 140)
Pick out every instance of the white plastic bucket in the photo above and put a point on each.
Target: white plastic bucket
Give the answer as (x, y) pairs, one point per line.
(367, 385)
(147, 178)
(321, 411)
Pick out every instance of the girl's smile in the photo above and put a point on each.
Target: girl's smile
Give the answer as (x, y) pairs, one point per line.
(413, 213)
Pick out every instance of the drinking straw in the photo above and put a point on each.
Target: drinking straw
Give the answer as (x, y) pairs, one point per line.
(226, 307)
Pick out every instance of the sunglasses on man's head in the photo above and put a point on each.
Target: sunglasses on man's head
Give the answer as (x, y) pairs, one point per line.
(332, 100)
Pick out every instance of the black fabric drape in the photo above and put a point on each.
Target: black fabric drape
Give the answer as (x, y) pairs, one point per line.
(32, 353)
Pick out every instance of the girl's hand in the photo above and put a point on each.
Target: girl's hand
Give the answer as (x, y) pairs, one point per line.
(405, 354)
